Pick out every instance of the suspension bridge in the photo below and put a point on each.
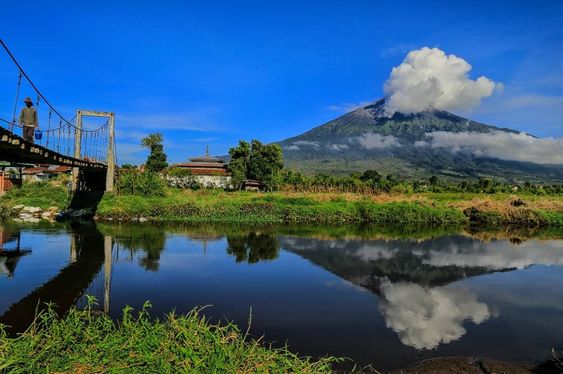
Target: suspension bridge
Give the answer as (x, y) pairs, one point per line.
(89, 151)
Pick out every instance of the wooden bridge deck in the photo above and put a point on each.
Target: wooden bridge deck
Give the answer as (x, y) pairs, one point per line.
(14, 149)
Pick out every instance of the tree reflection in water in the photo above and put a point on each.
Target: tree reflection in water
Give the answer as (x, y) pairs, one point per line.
(149, 239)
(245, 244)
(253, 247)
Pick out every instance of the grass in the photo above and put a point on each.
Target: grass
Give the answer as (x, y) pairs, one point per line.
(277, 207)
(217, 206)
(86, 341)
(247, 207)
(42, 194)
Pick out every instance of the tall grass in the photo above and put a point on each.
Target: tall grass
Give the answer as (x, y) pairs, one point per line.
(38, 194)
(86, 341)
(243, 207)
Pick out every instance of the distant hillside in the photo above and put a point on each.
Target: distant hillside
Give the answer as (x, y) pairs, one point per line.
(367, 139)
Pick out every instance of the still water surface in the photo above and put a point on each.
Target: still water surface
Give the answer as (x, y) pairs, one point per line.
(378, 296)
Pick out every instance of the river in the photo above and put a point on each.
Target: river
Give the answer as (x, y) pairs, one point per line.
(385, 296)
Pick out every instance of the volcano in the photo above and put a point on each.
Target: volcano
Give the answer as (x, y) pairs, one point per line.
(368, 138)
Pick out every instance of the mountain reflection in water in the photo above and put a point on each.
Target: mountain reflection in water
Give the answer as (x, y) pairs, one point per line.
(381, 296)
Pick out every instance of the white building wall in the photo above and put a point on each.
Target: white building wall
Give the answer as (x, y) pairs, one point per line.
(206, 181)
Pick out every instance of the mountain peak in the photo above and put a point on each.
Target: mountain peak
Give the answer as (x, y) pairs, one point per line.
(367, 138)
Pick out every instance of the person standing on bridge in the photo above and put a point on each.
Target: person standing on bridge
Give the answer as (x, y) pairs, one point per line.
(28, 119)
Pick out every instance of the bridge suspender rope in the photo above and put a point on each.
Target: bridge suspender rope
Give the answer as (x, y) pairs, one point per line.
(17, 97)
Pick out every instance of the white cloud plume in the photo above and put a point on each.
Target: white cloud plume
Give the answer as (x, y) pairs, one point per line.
(299, 144)
(377, 141)
(429, 79)
(338, 147)
(499, 144)
(426, 317)
(348, 107)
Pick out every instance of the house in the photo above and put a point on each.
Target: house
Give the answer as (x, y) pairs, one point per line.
(208, 171)
(253, 185)
(44, 172)
(9, 177)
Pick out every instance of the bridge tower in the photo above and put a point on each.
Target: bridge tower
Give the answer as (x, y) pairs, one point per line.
(110, 149)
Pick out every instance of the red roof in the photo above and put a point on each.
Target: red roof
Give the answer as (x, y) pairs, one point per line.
(35, 170)
(45, 169)
(205, 168)
(209, 165)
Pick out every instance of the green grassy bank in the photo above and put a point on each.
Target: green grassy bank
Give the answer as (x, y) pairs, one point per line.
(245, 207)
(90, 342)
(42, 195)
(276, 207)
(217, 206)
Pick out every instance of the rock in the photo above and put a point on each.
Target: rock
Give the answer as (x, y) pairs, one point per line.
(48, 215)
(32, 210)
(18, 207)
(25, 217)
(143, 219)
(54, 210)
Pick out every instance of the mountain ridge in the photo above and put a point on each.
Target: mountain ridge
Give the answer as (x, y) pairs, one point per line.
(367, 138)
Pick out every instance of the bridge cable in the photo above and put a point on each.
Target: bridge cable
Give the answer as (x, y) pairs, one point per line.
(16, 102)
(48, 129)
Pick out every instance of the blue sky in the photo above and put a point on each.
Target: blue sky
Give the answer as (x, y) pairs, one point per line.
(211, 73)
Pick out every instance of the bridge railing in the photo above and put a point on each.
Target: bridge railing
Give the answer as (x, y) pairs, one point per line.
(57, 133)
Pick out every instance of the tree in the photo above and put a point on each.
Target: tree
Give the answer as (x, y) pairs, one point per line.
(433, 180)
(257, 161)
(156, 161)
(238, 165)
(371, 175)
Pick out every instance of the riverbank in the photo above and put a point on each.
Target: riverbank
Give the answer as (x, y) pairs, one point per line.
(86, 341)
(276, 207)
(217, 206)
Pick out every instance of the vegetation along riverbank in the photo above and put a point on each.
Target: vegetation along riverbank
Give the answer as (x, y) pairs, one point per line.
(85, 341)
(214, 205)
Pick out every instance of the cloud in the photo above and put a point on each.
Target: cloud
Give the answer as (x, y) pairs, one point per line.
(534, 101)
(499, 144)
(348, 107)
(429, 79)
(397, 49)
(426, 317)
(205, 140)
(128, 153)
(338, 147)
(377, 141)
(180, 121)
(299, 144)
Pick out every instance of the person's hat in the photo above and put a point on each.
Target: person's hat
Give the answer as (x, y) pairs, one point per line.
(28, 100)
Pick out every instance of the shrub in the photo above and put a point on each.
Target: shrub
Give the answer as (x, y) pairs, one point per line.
(134, 182)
